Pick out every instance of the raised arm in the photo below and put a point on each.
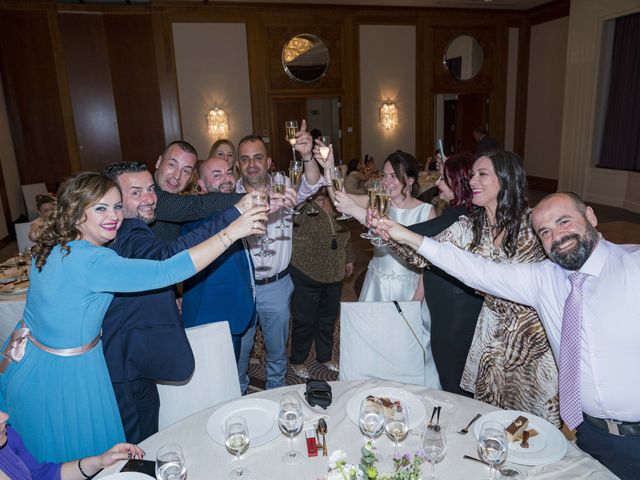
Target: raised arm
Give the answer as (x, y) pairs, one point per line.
(188, 208)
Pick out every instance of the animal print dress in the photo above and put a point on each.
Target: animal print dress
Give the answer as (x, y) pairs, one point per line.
(510, 363)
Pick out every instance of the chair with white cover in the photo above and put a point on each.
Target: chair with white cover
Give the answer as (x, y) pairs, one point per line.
(376, 341)
(214, 380)
(29, 192)
(22, 236)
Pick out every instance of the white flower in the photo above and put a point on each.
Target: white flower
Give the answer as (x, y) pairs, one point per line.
(336, 458)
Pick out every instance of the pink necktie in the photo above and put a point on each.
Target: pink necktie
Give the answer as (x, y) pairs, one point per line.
(570, 405)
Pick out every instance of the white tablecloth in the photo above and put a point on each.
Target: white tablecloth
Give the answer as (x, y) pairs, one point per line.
(208, 460)
(11, 308)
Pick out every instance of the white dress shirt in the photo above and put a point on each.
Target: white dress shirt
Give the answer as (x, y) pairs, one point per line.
(610, 345)
(280, 250)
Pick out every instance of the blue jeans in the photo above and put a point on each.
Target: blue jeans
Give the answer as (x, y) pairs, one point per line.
(273, 309)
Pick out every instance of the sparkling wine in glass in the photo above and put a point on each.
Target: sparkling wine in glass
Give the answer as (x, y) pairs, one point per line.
(290, 419)
(434, 445)
(371, 420)
(372, 193)
(396, 425)
(291, 127)
(295, 176)
(170, 464)
(493, 446)
(324, 148)
(279, 185)
(382, 207)
(337, 181)
(236, 436)
(261, 199)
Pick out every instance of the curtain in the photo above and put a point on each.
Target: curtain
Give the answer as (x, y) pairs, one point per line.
(621, 136)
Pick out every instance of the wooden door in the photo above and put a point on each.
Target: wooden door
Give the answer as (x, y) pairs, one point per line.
(449, 132)
(284, 109)
(472, 113)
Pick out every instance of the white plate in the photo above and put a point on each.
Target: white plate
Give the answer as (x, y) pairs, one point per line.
(414, 406)
(261, 416)
(546, 447)
(128, 476)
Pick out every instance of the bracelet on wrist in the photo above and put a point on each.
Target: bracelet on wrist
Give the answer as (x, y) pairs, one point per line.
(224, 244)
(82, 471)
(226, 235)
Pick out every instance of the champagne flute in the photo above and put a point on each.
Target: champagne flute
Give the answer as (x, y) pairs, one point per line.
(290, 419)
(372, 192)
(261, 199)
(382, 206)
(434, 445)
(371, 420)
(295, 176)
(291, 127)
(396, 424)
(337, 180)
(492, 446)
(170, 464)
(324, 148)
(279, 185)
(237, 440)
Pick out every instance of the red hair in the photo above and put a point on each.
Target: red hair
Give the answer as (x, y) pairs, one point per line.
(456, 175)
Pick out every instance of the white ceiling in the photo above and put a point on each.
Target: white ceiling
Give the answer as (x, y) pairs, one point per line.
(484, 4)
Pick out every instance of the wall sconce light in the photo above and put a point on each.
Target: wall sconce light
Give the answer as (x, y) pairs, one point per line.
(389, 115)
(217, 122)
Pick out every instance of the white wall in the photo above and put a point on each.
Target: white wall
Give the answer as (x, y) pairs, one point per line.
(387, 70)
(580, 122)
(9, 169)
(547, 64)
(213, 70)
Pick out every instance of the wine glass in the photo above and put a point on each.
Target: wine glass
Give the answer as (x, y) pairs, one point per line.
(337, 180)
(434, 445)
(279, 185)
(396, 424)
(260, 199)
(372, 192)
(290, 419)
(170, 464)
(324, 148)
(291, 127)
(492, 446)
(371, 420)
(295, 176)
(381, 208)
(236, 436)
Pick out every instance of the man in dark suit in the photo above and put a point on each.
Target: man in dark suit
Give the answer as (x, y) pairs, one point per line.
(143, 337)
(225, 289)
(484, 143)
(174, 170)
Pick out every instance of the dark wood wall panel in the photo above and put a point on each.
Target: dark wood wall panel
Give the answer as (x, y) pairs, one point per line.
(87, 63)
(31, 92)
(135, 86)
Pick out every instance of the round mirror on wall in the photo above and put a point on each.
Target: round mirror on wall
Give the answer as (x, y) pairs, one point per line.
(305, 58)
(463, 57)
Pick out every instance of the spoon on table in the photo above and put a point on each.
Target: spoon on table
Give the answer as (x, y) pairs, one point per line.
(322, 428)
(504, 471)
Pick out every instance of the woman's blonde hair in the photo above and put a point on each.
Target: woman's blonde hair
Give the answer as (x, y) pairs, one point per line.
(76, 194)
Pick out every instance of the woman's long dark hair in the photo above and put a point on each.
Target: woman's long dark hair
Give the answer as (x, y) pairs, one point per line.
(405, 166)
(512, 201)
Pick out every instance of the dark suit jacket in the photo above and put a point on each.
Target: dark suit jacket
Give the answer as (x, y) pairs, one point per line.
(173, 210)
(142, 333)
(222, 291)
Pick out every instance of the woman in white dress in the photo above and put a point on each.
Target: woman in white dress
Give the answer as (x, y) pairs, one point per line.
(388, 276)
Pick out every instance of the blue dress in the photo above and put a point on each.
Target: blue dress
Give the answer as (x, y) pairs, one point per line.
(65, 407)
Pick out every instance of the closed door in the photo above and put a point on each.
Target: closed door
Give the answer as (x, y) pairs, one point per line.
(472, 112)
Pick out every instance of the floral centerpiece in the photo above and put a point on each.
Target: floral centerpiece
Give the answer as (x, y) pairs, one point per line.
(405, 468)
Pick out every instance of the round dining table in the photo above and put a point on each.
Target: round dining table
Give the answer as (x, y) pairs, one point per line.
(207, 459)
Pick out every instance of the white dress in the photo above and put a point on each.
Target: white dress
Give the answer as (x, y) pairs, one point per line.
(391, 278)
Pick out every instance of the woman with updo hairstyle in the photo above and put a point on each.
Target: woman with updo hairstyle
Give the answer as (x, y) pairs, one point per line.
(45, 204)
(510, 363)
(54, 381)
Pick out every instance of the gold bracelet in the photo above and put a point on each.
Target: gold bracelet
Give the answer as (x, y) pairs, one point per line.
(224, 244)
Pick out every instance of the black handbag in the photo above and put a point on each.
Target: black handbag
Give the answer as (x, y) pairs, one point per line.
(318, 393)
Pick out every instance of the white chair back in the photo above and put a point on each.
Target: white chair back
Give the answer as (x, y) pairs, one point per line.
(377, 342)
(22, 236)
(214, 380)
(29, 193)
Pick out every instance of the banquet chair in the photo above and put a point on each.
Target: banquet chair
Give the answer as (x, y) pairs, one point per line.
(22, 236)
(377, 342)
(214, 380)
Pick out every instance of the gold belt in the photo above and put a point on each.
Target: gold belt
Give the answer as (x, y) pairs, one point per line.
(15, 348)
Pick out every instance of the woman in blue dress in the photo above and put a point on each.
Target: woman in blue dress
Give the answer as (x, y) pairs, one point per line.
(57, 390)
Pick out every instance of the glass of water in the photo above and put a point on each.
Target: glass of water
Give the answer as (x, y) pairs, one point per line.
(170, 464)
(290, 419)
(492, 446)
(236, 436)
(371, 420)
(434, 445)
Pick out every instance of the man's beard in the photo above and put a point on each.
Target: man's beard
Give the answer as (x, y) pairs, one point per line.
(576, 257)
(147, 220)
